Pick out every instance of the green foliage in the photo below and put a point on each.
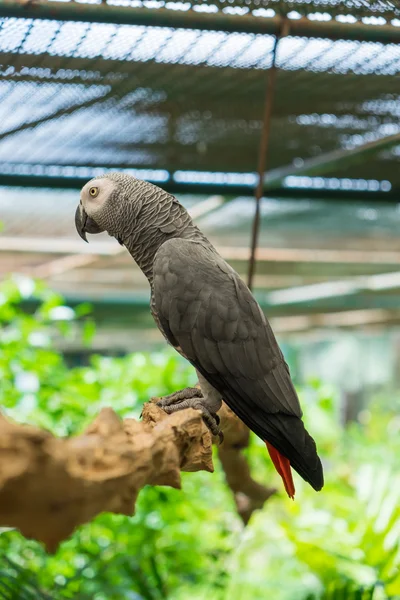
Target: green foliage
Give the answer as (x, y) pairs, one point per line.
(160, 549)
(346, 591)
(18, 583)
(342, 543)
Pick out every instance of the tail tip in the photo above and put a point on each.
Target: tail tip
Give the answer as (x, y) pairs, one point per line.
(282, 465)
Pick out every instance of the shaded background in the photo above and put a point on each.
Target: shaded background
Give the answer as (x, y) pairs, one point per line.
(174, 93)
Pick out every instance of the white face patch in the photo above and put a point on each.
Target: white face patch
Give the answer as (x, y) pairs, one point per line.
(95, 194)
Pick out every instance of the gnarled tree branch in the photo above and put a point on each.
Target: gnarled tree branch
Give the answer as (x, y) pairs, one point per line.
(249, 494)
(49, 485)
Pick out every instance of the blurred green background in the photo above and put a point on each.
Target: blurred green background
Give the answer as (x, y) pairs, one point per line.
(174, 93)
(340, 543)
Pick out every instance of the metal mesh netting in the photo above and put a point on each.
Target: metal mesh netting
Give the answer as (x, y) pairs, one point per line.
(356, 9)
(77, 94)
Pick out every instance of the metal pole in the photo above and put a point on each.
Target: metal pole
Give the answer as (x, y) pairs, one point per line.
(263, 156)
(127, 15)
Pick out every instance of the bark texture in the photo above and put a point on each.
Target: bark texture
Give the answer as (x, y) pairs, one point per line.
(50, 485)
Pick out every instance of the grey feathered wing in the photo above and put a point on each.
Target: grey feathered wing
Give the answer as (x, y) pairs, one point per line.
(206, 311)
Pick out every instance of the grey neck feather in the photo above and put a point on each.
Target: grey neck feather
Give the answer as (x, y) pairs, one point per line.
(144, 218)
(155, 229)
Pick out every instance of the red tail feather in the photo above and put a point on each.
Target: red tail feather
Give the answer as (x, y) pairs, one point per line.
(282, 465)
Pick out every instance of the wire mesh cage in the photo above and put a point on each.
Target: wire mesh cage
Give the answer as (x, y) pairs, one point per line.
(172, 101)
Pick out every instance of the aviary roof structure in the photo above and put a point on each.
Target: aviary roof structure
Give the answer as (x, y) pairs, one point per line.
(176, 90)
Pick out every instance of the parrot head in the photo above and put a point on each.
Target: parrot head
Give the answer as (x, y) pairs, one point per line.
(93, 196)
(136, 213)
(111, 203)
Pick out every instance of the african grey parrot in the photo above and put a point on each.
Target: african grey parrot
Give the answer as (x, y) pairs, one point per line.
(210, 317)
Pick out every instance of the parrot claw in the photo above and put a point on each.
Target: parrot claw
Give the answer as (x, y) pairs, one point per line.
(177, 397)
(192, 398)
(209, 419)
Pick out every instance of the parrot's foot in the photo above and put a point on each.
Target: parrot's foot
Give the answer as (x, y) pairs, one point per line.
(192, 398)
(177, 397)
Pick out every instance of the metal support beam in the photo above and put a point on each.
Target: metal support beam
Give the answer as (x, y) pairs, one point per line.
(263, 158)
(127, 276)
(344, 319)
(118, 304)
(201, 209)
(306, 294)
(57, 246)
(286, 255)
(120, 15)
(59, 266)
(314, 256)
(76, 183)
(273, 180)
(331, 161)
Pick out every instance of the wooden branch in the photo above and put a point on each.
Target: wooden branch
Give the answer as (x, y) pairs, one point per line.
(49, 485)
(249, 494)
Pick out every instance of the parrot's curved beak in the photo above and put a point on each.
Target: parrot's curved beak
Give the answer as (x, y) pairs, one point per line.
(84, 224)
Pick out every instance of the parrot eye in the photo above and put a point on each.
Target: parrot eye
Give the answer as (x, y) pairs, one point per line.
(94, 191)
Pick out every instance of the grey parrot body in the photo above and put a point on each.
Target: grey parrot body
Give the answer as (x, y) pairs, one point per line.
(208, 314)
